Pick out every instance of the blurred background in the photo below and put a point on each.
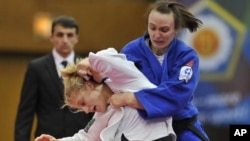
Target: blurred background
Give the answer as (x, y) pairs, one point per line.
(223, 44)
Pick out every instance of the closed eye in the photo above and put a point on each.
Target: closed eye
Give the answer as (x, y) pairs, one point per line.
(73, 110)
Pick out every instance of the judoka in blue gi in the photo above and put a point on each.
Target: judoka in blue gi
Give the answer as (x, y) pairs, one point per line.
(170, 64)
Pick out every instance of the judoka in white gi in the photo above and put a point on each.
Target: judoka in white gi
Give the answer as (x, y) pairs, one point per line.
(108, 123)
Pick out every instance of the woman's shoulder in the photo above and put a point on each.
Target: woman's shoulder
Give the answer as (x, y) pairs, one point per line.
(182, 47)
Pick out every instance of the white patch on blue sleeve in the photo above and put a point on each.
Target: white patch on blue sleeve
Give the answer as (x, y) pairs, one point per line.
(185, 73)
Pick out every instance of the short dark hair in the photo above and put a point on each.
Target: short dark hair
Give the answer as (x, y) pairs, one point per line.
(65, 21)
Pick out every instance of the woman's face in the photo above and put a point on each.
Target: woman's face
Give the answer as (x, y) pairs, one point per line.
(161, 29)
(89, 100)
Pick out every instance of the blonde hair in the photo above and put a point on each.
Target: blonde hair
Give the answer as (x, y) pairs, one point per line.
(73, 83)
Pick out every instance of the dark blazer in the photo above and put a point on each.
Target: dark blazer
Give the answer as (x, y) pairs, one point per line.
(42, 95)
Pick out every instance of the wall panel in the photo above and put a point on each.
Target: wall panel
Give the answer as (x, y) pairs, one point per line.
(103, 23)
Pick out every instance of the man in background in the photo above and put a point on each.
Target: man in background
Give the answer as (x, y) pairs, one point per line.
(42, 91)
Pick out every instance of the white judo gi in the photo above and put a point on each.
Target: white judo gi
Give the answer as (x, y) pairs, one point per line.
(109, 126)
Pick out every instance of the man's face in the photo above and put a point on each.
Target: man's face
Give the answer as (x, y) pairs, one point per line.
(64, 39)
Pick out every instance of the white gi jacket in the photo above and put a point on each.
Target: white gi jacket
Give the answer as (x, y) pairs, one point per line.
(109, 126)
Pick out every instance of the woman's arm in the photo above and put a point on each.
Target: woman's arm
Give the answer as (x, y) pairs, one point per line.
(45, 137)
(125, 99)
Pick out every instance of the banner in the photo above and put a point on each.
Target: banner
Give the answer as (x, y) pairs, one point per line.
(223, 93)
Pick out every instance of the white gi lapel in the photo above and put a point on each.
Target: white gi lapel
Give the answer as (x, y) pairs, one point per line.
(108, 133)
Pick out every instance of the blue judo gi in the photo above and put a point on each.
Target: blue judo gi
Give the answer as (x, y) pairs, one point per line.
(177, 79)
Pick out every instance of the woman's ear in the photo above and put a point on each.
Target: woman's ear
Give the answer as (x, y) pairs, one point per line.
(90, 85)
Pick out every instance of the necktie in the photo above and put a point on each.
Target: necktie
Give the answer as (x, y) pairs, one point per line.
(64, 63)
